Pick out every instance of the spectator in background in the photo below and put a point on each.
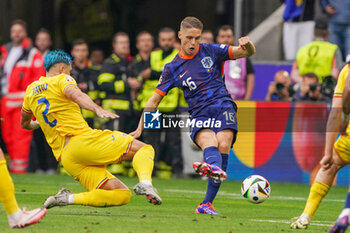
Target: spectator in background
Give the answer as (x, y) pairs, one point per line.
(21, 64)
(166, 143)
(207, 37)
(158, 59)
(239, 73)
(85, 75)
(339, 23)
(319, 57)
(43, 41)
(281, 89)
(41, 158)
(97, 56)
(115, 86)
(177, 44)
(141, 62)
(310, 90)
(298, 25)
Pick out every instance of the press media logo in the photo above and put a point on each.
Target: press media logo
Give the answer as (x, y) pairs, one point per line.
(152, 120)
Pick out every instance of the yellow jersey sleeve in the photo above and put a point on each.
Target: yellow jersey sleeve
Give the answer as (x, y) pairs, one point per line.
(339, 89)
(66, 81)
(26, 103)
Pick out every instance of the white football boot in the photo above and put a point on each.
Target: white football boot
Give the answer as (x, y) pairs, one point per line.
(149, 191)
(60, 199)
(26, 218)
(301, 222)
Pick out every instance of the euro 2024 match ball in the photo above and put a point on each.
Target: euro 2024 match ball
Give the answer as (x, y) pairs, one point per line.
(256, 189)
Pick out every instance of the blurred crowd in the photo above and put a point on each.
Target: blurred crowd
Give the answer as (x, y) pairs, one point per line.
(123, 83)
(318, 49)
(119, 82)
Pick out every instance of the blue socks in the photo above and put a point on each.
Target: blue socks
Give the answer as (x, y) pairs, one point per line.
(347, 201)
(224, 161)
(212, 156)
(213, 185)
(346, 210)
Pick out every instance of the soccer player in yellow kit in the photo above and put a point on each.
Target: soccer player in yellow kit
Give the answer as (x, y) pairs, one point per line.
(17, 218)
(342, 222)
(337, 155)
(55, 101)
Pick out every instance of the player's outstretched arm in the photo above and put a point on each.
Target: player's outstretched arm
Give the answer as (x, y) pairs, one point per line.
(151, 106)
(246, 48)
(26, 121)
(84, 101)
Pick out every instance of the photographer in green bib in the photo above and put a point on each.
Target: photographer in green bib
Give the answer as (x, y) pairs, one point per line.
(321, 58)
(167, 143)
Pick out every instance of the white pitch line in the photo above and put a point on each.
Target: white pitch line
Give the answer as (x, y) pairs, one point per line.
(222, 193)
(31, 193)
(288, 222)
(238, 196)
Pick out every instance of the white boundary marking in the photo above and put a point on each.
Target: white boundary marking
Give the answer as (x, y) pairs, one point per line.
(221, 193)
(314, 223)
(31, 193)
(239, 196)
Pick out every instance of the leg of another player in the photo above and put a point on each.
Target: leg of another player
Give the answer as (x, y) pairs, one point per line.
(112, 193)
(142, 156)
(7, 192)
(342, 222)
(318, 191)
(16, 217)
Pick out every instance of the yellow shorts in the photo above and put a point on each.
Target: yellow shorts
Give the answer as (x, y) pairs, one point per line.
(85, 156)
(342, 147)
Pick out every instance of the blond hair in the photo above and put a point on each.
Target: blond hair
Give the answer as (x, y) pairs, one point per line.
(191, 22)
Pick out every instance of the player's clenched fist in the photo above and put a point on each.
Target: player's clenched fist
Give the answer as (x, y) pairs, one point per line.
(246, 44)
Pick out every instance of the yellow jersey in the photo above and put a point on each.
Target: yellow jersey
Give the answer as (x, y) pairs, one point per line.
(339, 89)
(57, 115)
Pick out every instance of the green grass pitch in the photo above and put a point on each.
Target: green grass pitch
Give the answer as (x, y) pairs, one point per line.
(176, 214)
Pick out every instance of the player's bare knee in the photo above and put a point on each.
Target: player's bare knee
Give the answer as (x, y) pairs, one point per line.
(113, 184)
(224, 147)
(332, 170)
(137, 145)
(206, 138)
(337, 166)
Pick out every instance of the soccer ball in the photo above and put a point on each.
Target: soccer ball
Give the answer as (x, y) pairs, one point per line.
(256, 189)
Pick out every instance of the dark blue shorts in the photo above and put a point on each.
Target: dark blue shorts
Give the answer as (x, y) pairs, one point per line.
(216, 118)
